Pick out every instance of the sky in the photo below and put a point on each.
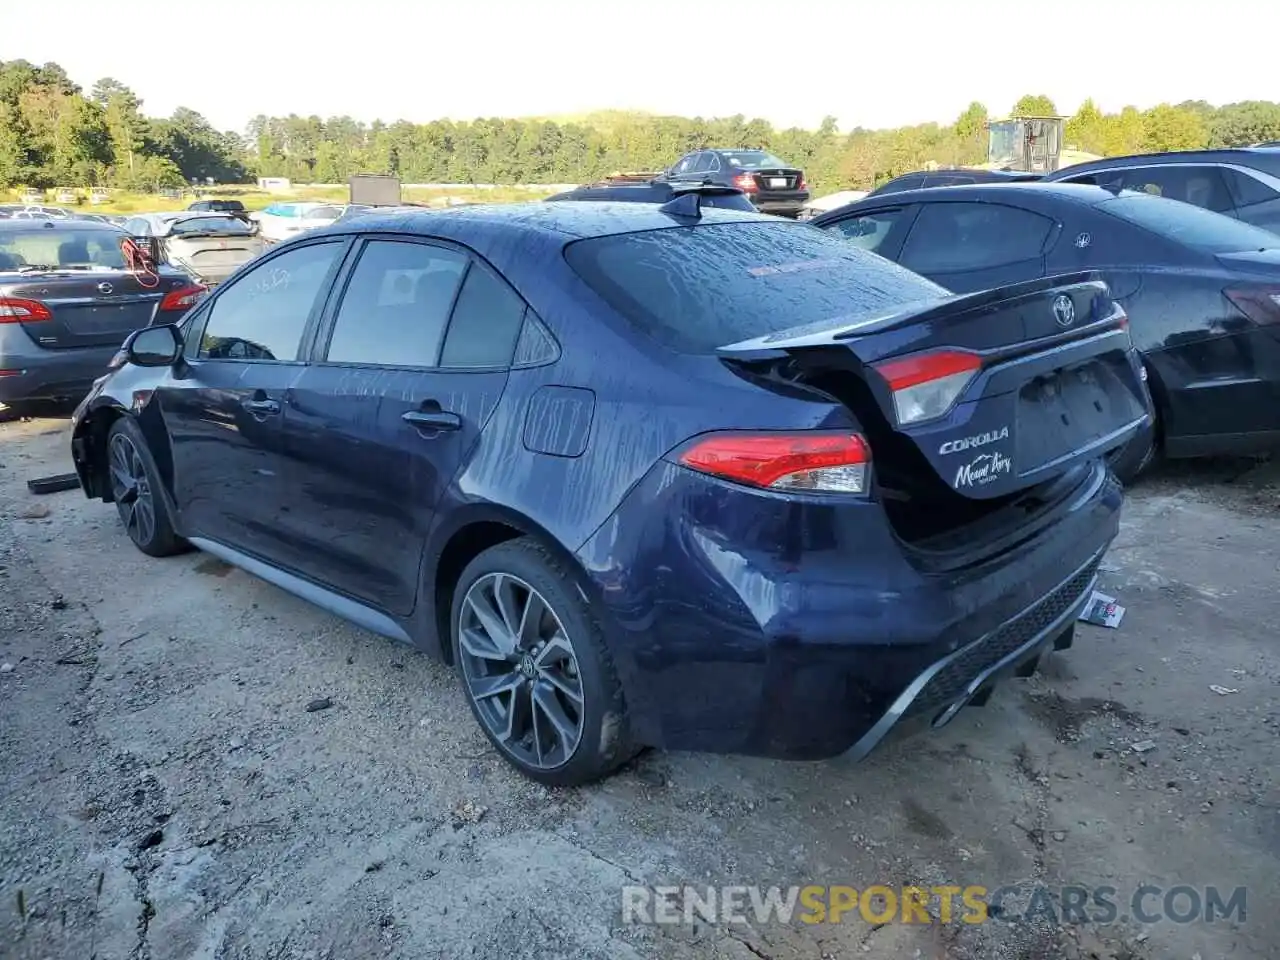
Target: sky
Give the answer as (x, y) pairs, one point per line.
(791, 63)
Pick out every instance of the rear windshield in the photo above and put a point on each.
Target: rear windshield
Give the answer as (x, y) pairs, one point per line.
(60, 248)
(323, 213)
(698, 288)
(229, 226)
(1187, 224)
(752, 159)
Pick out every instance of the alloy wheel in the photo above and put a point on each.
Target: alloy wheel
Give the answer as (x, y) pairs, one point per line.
(132, 491)
(521, 670)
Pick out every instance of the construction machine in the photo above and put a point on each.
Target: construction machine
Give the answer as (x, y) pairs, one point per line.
(1025, 144)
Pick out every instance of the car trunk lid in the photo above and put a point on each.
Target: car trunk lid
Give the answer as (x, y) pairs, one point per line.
(212, 256)
(87, 308)
(1041, 377)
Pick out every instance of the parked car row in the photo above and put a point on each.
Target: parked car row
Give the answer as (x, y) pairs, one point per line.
(36, 211)
(672, 472)
(283, 221)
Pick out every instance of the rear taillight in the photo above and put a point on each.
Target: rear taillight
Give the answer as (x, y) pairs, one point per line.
(745, 181)
(927, 385)
(811, 461)
(14, 310)
(801, 184)
(1259, 304)
(183, 298)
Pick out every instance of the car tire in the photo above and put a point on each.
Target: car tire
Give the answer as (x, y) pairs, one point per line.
(137, 491)
(535, 668)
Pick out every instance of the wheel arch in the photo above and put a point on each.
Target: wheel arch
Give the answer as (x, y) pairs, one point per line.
(465, 537)
(89, 447)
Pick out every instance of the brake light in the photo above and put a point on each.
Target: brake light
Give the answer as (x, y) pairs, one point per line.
(183, 298)
(745, 181)
(15, 310)
(926, 386)
(1259, 304)
(812, 461)
(802, 184)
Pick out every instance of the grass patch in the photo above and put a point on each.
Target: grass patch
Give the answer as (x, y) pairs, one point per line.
(255, 199)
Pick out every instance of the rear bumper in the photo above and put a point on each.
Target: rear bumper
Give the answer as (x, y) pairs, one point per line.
(790, 628)
(30, 373)
(780, 204)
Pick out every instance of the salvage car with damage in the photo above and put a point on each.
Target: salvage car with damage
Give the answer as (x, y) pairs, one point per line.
(665, 476)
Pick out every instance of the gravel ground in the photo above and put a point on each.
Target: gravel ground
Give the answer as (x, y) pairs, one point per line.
(167, 793)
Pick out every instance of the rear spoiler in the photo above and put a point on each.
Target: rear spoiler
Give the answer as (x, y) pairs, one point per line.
(825, 334)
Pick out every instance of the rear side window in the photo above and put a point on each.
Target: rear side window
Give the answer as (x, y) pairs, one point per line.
(485, 324)
(230, 226)
(1189, 225)
(695, 289)
(1249, 191)
(1199, 185)
(396, 305)
(868, 232)
(950, 237)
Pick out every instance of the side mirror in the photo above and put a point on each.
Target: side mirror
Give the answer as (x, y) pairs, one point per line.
(154, 346)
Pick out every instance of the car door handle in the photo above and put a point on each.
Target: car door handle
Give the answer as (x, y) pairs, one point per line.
(433, 419)
(262, 406)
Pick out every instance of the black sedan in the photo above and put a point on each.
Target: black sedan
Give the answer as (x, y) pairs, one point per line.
(1202, 291)
(773, 185)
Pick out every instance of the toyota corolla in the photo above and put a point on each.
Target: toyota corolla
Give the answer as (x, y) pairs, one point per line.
(646, 475)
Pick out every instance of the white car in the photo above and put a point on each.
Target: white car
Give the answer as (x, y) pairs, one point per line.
(283, 221)
(209, 246)
(832, 201)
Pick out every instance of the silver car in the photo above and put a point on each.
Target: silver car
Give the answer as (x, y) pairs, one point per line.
(209, 246)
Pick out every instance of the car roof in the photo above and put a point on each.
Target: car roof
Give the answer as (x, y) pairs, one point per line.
(1075, 192)
(1218, 155)
(16, 225)
(560, 219)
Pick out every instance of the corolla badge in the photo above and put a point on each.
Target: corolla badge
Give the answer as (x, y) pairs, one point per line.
(1064, 311)
(978, 440)
(983, 469)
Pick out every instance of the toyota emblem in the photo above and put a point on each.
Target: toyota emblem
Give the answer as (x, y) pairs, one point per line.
(105, 287)
(1064, 311)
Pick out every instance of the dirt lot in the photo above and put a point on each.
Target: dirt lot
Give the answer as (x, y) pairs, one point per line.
(167, 794)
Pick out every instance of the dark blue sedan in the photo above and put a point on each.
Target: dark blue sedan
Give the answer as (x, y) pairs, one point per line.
(673, 476)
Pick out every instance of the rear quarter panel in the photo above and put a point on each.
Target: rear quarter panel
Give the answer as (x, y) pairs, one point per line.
(638, 400)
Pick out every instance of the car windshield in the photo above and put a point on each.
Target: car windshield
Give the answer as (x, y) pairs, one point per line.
(1187, 224)
(323, 213)
(223, 226)
(52, 248)
(715, 284)
(752, 159)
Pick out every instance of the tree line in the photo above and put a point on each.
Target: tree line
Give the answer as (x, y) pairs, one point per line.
(53, 133)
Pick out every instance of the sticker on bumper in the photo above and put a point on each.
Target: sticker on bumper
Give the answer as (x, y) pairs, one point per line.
(983, 469)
